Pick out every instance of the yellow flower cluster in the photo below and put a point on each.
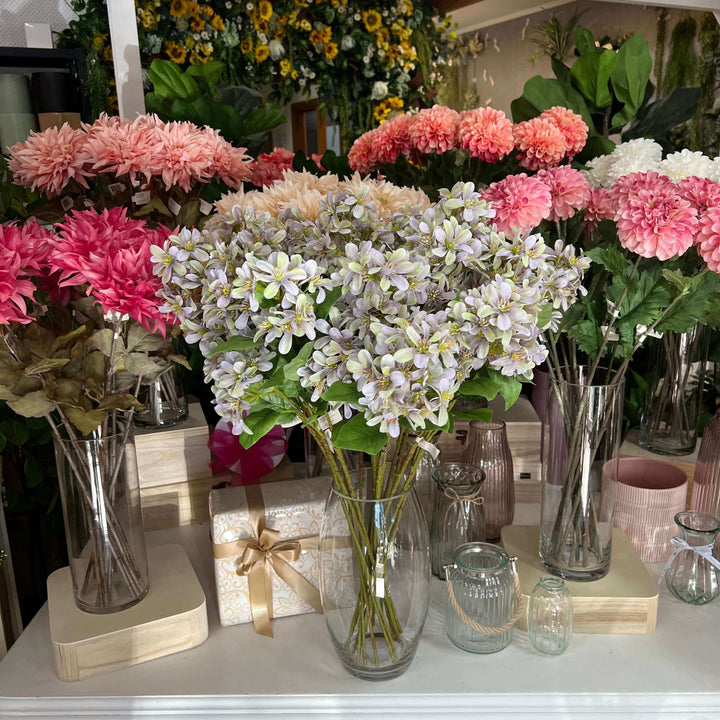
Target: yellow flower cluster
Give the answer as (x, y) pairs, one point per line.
(385, 107)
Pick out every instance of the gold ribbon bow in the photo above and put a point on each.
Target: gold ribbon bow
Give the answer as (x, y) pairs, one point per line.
(263, 555)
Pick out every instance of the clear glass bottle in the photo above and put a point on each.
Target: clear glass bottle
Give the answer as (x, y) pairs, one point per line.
(691, 577)
(706, 483)
(482, 583)
(458, 515)
(425, 485)
(488, 448)
(550, 616)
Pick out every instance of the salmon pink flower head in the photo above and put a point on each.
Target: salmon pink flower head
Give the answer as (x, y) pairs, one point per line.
(271, 166)
(49, 160)
(187, 155)
(486, 134)
(519, 201)
(707, 240)
(571, 125)
(392, 139)
(232, 165)
(540, 143)
(702, 193)
(569, 191)
(363, 155)
(599, 207)
(627, 185)
(434, 130)
(654, 219)
(15, 285)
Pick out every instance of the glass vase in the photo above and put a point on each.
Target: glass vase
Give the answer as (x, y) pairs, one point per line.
(550, 616)
(458, 512)
(164, 400)
(488, 448)
(670, 418)
(706, 482)
(691, 573)
(100, 495)
(580, 458)
(374, 579)
(482, 598)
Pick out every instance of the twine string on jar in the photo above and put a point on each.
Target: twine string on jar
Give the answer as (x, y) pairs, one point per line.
(492, 630)
(473, 497)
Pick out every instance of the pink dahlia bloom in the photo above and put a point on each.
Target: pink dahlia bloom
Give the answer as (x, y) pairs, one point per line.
(599, 207)
(519, 201)
(627, 185)
(571, 125)
(655, 220)
(363, 155)
(434, 130)
(392, 139)
(232, 165)
(486, 134)
(16, 258)
(49, 160)
(271, 166)
(568, 189)
(540, 143)
(187, 155)
(702, 193)
(708, 237)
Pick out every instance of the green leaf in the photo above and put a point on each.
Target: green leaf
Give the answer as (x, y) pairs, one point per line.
(102, 340)
(15, 432)
(591, 74)
(489, 383)
(522, 109)
(699, 300)
(46, 365)
(34, 404)
(595, 146)
(260, 421)
(656, 119)
(33, 474)
(170, 82)
(119, 401)
(331, 297)
(342, 392)
(584, 40)
(242, 99)
(85, 420)
(300, 360)
(484, 414)
(236, 343)
(645, 301)
(544, 93)
(630, 78)
(141, 365)
(589, 337)
(71, 337)
(211, 71)
(180, 360)
(613, 260)
(355, 434)
(562, 71)
(142, 340)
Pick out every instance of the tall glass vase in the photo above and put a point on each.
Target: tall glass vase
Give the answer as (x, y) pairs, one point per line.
(374, 579)
(100, 496)
(670, 418)
(581, 454)
(164, 399)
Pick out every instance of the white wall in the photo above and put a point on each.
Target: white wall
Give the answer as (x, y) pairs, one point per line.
(15, 13)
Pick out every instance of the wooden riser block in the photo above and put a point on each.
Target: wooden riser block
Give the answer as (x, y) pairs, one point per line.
(172, 617)
(625, 601)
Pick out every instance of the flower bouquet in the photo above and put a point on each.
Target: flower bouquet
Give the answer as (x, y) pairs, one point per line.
(81, 325)
(363, 311)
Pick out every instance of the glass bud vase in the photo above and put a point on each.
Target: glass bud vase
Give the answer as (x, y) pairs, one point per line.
(692, 573)
(488, 448)
(581, 456)
(458, 514)
(374, 581)
(164, 400)
(670, 418)
(100, 494)
(550, 616)
(706, 482)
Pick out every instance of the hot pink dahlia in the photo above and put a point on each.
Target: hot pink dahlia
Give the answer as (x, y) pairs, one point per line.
(434, 130)
(392, 139)
(15, 286)
(656, 222)
(568, 189)
(571, 125)
(702, 193)
(540, 143)
(271, 166)
(486, 134)
(599, 207)
(519, 201)
(363, 156)
(708, 237)
(49, 160)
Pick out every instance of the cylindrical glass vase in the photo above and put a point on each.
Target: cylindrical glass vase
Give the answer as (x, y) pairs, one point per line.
(164, 400)
(100, 495)
(374, 581)
(581, 455)
(550, 616)
(488, 448)
(706, 481)
(481, 598)
(458, 515)
(670, 418)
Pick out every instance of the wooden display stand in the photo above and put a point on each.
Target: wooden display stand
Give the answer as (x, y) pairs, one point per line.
(172, 617)
(625, 601)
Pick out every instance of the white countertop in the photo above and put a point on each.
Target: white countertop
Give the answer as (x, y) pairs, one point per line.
(674, 672)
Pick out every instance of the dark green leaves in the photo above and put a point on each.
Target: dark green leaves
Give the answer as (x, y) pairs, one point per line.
(260, 422)
(591, 75)
(355, 434)
(484, 414)
(542, 94)
(630, 78)
(489, 383)
(342, 392)
(236, 343)
(657, 118)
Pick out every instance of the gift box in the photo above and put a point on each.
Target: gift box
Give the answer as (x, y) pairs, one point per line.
(265, 540)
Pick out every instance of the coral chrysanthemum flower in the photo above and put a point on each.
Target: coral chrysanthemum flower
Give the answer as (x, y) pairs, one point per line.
(271, 166)
(17, 257)
(392, 139)
(599, 207)
(568, 189)
(629, 184)
(540, 143)
(571, 125)
(434, 130)
(654, 220)
(486, 134)
(232, 165)
(363, 156)
(519, 202)
(703, 193)
(708, 237)
(187, 155)
(49, 160)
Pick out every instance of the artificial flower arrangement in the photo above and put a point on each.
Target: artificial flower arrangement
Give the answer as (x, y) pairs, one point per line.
(363, 311)
(158, 171)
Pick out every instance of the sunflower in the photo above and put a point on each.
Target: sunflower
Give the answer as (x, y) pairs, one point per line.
(175, 52)
(372, 20)
(285, 67)
(265, 9)
(207, 11)
(316, 37)
(262, 53)
(305, 25)
(189, 42)
(246, 46)
(178, 8)
(217, 23)
(331, 50)
(279, 34)
(107, 53)
(99, 41)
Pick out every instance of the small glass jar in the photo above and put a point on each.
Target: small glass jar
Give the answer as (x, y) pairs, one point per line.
(481, 591)
(458, 515)
(164, 400)
(690, 577)
(550, 616)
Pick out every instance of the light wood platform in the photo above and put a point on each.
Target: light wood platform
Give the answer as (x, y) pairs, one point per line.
(625, 601)
(172, 617)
